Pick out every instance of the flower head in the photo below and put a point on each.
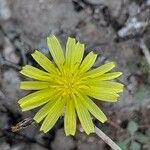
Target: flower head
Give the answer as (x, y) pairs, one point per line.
(68, 85)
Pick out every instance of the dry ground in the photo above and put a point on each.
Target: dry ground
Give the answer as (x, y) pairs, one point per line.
(113, 29)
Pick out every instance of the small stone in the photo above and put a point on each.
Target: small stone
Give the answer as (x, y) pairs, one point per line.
(114, 5)
(95, 2)
(62, 142)
(10, 86)
(90, 143)
(11, 77)
(5, 12)
(133, 84)
(91, 139)
(133, 9)
(4, 146)
(39, 138)
(18, 146)
(3, 121)
(37, 147)
(9, 52)
(148, 2)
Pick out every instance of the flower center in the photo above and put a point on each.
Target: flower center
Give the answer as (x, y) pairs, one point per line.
(68, 83)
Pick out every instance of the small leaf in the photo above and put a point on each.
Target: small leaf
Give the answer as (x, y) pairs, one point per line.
(141, 95)
(135, 146)
(123, 145)
(142, 138)
(132, 127)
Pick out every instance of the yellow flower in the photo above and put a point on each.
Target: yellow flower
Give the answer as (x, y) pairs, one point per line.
(68, 86)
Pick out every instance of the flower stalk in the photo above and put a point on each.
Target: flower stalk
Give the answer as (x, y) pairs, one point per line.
(106, 139)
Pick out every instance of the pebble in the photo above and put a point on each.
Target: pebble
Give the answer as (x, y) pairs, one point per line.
(4, 146)
(37, 147)
(5, 12)
(9, 52)
(62, 142)
(113, 5)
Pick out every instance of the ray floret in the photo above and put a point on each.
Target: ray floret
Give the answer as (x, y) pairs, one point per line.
(67, 85)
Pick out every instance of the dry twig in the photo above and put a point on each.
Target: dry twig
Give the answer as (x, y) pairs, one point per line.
(23, 124)
(4, 62)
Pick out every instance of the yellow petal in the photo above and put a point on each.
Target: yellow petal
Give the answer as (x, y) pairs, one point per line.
(36, 99)
(42, 113)
(93, 108)
(34, 95)
(35, 73)
(69, 47)
(44, 62)
(56, 50)
(33, 85)
(77, 56)
(53, 115)
(70, 118)
(107, 86)
(79, 52)
(100, 70)
(29, 106)
(88, 62)
(109, 76)
(84, 116)
(101, 94)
